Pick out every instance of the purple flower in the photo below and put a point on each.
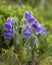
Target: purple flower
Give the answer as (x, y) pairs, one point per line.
(38, 28)
(27, 32)
(7, 35)
(29, 18)
(8, 25)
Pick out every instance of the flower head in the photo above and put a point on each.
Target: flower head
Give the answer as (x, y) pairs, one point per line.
(7, 35)
(29, 18)
(38, 28)
(27, 32)
(8, 25)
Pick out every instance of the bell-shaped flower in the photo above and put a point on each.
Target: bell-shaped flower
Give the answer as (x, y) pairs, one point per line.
(29, 18)
(38, 28)
(27, 32)
(8, 25)
(7, 35)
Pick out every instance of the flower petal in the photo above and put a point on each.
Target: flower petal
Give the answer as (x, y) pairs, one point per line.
(29, 18)
(8, 25)
(7, 35)
(27, 32)
(38, 28)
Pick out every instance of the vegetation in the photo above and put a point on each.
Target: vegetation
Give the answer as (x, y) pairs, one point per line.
(14, 54)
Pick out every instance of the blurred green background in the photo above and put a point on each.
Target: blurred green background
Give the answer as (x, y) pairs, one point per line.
(42, 11)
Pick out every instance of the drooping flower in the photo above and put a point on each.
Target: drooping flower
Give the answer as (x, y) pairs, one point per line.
(7, 35)
(29, 18)
(27, 32)
(38, 28)
(8, 25)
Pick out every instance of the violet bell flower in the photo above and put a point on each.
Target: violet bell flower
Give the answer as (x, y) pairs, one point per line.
(7, 35)
(29, 18)
(8, 25)
(38, 28)
(27, 32)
